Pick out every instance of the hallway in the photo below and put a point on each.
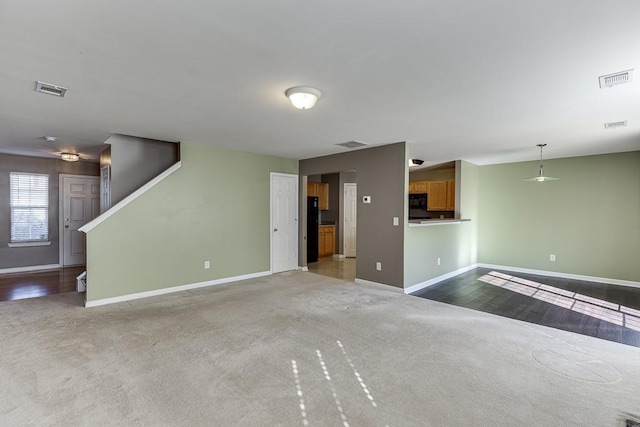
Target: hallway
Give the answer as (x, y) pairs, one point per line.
(339, 268)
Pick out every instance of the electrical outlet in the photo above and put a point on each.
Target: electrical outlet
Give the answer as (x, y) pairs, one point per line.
(552, 257)
(207, 265)
(438, 261)
(379, 266)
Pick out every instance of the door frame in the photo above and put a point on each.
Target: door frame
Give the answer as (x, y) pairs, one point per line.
(296, 214)
(343, 213)
(61, 178)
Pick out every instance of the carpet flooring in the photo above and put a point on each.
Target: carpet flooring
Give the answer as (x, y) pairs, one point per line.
(296, 349)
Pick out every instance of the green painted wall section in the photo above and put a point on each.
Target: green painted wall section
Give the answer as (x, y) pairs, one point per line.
(455, 244)
(215, 207)
(590, 218)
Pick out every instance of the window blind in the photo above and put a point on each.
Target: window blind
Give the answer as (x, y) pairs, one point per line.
(29, 199)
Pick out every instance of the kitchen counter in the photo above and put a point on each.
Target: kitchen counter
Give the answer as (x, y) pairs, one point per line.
(435, 221)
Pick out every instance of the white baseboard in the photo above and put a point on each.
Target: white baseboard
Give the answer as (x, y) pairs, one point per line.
(377, 284)
(305, 268)
(339, 256)
(29, 268)
(563, 275)
(431, 282)
(163, 291)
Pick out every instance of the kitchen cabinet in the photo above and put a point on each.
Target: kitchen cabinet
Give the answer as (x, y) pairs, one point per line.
(437, 200)
(451, 194)
(326, 240)
(321, 191)
(418, 187)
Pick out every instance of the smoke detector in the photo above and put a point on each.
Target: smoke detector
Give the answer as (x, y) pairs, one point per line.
(615, 125)
(50, 138)
(616, 79)
(51, 89)
(352, 144)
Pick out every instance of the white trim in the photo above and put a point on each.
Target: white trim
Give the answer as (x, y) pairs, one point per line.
(377, 284)
(305, 268)
(130, 198)
(28, 244)
(61, 178)
(164, 291)
(29, 268)
(563, 275)
(339, 256)
(431, 282)
(297, 212)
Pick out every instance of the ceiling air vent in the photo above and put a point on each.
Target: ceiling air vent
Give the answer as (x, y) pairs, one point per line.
(51, 89)
(616, 79)
(614, 125)
(352, 144)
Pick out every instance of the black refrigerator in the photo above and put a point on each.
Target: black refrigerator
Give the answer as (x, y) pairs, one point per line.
(312, 229)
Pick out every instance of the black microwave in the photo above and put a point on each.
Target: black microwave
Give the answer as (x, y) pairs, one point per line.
(418, 206)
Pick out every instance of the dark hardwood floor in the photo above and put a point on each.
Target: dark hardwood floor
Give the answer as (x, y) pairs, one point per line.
(599, 310)
(38, 283)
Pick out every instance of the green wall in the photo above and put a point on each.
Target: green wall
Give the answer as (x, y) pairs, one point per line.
(215, 207)
(454, 244)
(590, 218)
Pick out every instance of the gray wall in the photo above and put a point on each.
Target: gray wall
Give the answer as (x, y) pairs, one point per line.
(382, 174)
(136, 161)
(39, 255)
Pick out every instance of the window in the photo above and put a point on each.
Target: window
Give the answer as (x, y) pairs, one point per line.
(29, 195)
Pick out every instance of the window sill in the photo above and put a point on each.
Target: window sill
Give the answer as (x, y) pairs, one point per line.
(28, 244)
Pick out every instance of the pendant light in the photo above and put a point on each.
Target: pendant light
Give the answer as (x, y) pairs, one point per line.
(541, 177)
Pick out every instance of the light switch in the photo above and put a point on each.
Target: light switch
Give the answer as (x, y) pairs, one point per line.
(396, 220)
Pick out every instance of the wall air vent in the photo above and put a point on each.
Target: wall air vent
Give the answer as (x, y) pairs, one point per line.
(614, 125)
(51, 89)
(616, 79)
(352, 144)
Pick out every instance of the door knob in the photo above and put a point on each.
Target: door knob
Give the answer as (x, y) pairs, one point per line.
(66, 226)
(275, 229)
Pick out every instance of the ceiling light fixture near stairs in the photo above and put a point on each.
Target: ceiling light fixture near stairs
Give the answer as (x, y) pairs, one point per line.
(303, 97)
(70, 157)
(541, 177)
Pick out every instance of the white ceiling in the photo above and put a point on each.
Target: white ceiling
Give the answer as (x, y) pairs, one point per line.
(484, 81)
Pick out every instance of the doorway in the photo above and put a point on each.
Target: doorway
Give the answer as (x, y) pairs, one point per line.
(79, 204)
(350, 219)
(284, 222)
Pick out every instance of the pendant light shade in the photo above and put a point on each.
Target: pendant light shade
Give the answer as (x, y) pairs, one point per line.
(541, 176)
(303, 97)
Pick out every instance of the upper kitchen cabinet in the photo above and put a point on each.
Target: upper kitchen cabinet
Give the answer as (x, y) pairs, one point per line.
(321, 191)
(418, 187)
(442, 195)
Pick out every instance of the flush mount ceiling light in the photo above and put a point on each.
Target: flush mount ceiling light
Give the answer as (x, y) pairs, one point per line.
(70, 157)
(415, 162)
(303, 97)
(541, 177)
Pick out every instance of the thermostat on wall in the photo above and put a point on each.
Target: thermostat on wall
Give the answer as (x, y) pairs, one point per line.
(366, 199)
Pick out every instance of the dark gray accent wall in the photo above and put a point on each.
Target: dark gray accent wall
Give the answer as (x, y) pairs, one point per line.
(37, 255)
(381, 173)
(136, 161)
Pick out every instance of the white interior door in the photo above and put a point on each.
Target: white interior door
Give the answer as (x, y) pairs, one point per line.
(284, 222)
(80, 204)
(350, 211)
